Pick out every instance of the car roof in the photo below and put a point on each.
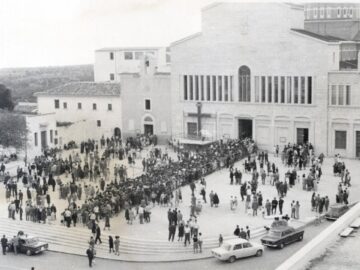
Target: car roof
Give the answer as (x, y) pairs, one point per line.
(236, 241)
(338, 205)
(282, 228)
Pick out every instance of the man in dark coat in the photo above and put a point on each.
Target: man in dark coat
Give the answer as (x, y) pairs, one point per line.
(4, 242)
(90, 255)
(98, 234)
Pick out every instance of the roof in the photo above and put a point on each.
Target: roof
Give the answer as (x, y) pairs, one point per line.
(84, 89)
(317, 36)
(26, 107)
(236, 241)
(281, 228)
(108, 49)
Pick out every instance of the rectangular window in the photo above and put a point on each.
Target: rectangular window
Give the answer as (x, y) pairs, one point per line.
(57, 104)
(333, 94)
(231, 88)
(226, 88)
(257, 89)
(94, 106)
(202, 87)
(328, 12)
(282, 89)
(220, 88)
(269, 81)
(350, 12)
(263, 88)
(196, 87)
(214, 87)
(112, 76)
(65, 105)
(315, 13)
(35, 139)
(348, 94)
(296, 90)
(341, 95)
(339, 12)
(98, 122)
(344, 12)
(309, 90)
(276, 89)
(109, 107)
(147, 104)
(208, 88)
(191, 87)
(185, 88)
(322, 12)
(340, 139)
(128, 55)
(302, 90)
(51, 136)
(138, 55)
(79, 106)
(289, 90)
(111, 56)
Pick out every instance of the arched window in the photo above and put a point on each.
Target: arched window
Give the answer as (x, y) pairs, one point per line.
(244, 84)
(148, 119)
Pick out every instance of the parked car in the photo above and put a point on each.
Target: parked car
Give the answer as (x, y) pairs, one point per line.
(29, 245)
(237, 248)
(281, 236)
(336, 211)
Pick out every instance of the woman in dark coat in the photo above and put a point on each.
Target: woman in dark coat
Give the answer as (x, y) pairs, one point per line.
(127, 215)
(107, 222)
(216, 200)
(111, 244)
(181, 231)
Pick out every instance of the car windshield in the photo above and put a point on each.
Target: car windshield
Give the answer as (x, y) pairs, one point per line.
(226, 247)
(275, 234)
(32, 241)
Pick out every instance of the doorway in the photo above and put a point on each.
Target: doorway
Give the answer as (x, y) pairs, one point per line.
(43, 140)
(192, 130)
(117, 133)
(148, 129)
(245, 128)
(302, 135)
(357, 136)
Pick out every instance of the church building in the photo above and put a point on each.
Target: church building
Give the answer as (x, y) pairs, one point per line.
(277, 72)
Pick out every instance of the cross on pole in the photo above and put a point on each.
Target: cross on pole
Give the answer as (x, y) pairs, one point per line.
(199, 115)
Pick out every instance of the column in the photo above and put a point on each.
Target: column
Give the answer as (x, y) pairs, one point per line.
(223, 87)
(211, 88)
(205, 88)
(266, 89)
(254, 129)
(293, 90)
(306, 90)
(351, 143)
(194, 88)
(286, 90)
(188, 86)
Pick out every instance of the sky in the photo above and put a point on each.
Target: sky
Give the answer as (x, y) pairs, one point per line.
(66, 32)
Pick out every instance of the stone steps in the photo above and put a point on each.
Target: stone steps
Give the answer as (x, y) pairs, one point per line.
(75, 241)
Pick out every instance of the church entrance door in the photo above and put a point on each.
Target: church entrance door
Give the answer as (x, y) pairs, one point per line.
(357, 143)
(302, 135)
(117, 132)
(43, 140)
(192, 130)
(245, 128)
(148, 129)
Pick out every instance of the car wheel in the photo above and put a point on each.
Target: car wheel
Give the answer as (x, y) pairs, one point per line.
(281, 246)
(28, 252)
(259, 253)
(300, 238)
(232, 259)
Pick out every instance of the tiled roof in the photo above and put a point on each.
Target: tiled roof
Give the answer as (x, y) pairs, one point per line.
(84, 89)
(318, 36)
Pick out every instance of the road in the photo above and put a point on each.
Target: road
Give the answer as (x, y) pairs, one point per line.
(56, 261)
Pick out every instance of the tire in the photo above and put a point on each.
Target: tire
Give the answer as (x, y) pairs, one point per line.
(300, 238)
(259, 253)
(28, 252)
(232, 259)
(281, 246)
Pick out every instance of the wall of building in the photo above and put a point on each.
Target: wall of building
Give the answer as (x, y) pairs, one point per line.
(85, 119)
(135, 90)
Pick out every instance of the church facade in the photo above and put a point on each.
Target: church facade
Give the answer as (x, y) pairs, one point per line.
(256, 71)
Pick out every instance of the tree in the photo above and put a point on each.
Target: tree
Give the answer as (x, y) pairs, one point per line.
(6, 101)
(13, 130)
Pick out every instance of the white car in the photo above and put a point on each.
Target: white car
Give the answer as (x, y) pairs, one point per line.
(237, 248)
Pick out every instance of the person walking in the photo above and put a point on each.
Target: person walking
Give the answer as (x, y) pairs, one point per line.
(4, 243)
(98, 234)
(172, 230)
(187, 234)
(200, 242)
(111, 244)
(195, 243)
(90, 255)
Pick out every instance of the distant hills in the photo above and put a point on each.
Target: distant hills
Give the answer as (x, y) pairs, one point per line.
(24, 82)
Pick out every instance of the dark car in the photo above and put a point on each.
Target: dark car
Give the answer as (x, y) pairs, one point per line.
(336, 211)
(282, 235)
(28, 245)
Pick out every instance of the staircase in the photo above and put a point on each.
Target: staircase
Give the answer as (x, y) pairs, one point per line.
(74, 240)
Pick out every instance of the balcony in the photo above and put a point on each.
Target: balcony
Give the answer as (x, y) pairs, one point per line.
(349, 65)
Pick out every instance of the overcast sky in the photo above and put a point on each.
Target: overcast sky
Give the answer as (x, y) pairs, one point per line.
(66, 32)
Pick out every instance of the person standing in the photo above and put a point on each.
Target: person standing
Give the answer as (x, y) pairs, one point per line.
(4, 242)
(274, 204)
(172, 230)
(297, 210)
(187, 234)
(200, 242)
(111, 244)
(90, 255)
(117, 245)
(281, 203)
